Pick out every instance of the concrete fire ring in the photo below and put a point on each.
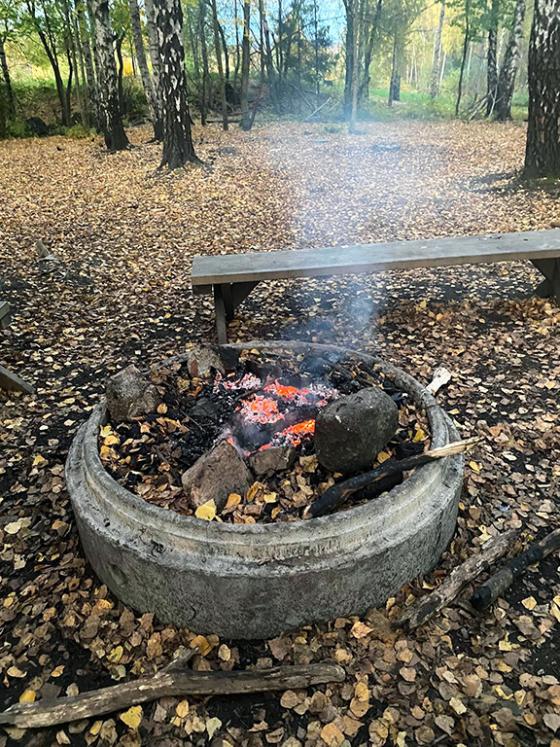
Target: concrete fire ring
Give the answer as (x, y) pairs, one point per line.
(255, 581)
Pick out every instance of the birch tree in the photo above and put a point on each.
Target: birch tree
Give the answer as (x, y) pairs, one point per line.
(542, 155)
(108, 97)
(510, 65)
(147, 83)
(178, 146)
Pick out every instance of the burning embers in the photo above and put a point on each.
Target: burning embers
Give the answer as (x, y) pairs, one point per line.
(273, 413)
(256, 438)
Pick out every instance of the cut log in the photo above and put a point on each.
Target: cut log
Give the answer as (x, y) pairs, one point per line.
(495, 586)
(339, 493)
(457, 579)
(167, 683)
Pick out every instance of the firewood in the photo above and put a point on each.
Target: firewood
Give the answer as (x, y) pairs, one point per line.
(339, 493)
(169, 682)
(495, 586)
(458, 578)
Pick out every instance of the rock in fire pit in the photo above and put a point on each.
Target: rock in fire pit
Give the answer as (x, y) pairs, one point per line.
(255, 568)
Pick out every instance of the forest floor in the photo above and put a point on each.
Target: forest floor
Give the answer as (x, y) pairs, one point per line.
(126, 236)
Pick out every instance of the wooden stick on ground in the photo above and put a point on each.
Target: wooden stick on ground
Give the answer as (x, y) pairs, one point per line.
(339, 493)
(495, 586)
(167, 683)
(457, 579)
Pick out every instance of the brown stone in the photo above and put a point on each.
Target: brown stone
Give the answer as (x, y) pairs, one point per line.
(215, 475)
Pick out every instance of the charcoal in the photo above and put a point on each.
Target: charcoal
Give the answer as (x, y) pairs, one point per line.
(352, 430)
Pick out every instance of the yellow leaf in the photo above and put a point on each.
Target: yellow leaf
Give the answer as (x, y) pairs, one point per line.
(383, 456)
(13, 527)
(115, 655)
(15, 672)
(162, 409)
(360, 630)
(233, 500)
(529, 603)
(182, 709)
(207, 511)
(361, 692)
(253, 490)
(39, 460)
(111, 440)
(95, 728)
(133, 717)
(202, 644)
(331, 735)
(28, 696)
(105, 431)
(270, 497)
(475, 466)
(419, 436)
(57, 671)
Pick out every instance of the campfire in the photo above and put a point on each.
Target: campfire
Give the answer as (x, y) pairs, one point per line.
(256, 438)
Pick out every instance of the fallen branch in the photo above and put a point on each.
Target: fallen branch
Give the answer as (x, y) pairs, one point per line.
(317, 110)
(457, 579)
(339, 493)
(495, 586)
(167, 683)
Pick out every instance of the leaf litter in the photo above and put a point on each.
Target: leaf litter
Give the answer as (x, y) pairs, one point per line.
(126, 240)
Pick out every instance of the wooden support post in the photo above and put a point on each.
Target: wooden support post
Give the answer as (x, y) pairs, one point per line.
(550, 268)
(5, 313)
(221, 325)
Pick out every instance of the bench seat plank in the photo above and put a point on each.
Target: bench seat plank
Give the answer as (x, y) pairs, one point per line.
(398, 255)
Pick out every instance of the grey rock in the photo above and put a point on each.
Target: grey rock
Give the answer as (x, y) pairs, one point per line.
(130, 395)
(202, 360)
(269, 461)
(350, 431)
(215, 475)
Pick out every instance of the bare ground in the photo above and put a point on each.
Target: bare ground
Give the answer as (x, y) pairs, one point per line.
(126, 236)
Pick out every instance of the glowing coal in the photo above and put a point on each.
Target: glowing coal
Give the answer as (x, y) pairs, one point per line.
(273, 412)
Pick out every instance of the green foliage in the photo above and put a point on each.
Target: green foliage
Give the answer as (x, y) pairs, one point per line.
(135, 107)
(78, 132)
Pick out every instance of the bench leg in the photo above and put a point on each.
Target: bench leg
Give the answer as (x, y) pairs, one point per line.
(550, 286)
(221, 324)
(11, 382)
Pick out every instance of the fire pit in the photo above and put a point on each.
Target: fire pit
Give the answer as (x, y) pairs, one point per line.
(254, 580)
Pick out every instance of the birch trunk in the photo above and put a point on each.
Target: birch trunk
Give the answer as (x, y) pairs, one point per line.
(178, 146)
(542, 155)
(219, 62)
(245, 66)
(109, 110)
(492, 70)
(140, 51)
(155, 59)
(510, 65)
(436, 66)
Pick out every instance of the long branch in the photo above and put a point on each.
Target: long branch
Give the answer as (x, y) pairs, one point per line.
(167, 683)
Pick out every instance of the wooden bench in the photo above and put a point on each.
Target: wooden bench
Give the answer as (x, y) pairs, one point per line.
(5, 313)
(230, 278)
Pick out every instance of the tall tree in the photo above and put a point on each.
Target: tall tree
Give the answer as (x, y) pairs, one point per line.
(10, 22)
(492, 58)
(109, 107)
(246, 120)
(147, 83)
(466, 40)
(437, 57)
(510, 64)
(218, 48)
(155, 59)
(542, 155)
(351, 8)
(178, 148)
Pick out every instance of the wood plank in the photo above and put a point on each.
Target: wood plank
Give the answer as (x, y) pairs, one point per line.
(397, 255)
(11, 382)
(5, 313)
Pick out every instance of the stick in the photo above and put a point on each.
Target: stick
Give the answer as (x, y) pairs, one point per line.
(339, 493)
(167, 683)
(457, 579)
(494, 587)
(317, 110)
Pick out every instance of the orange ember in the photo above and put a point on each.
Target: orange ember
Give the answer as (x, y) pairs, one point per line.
(261, 410)
(285, 391)
(305, 428)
